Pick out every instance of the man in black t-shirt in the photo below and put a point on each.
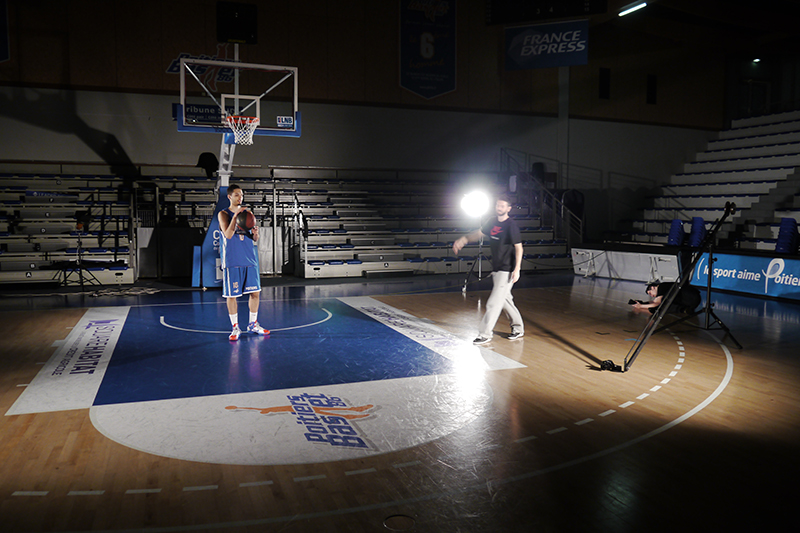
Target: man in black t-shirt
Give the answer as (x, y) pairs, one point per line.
(686, 301)
(506, 245)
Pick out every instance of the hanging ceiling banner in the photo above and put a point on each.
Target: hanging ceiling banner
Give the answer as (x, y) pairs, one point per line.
(428, 47)
(560, 44)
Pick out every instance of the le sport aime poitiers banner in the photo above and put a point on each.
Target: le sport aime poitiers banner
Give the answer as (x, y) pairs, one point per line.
(777, 277)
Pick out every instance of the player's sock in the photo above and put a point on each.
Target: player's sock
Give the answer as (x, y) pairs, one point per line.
(234, 319)
(254, 317)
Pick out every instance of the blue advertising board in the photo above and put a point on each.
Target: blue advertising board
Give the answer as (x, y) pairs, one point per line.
(428, 47)
(559, 44)
(776, 277)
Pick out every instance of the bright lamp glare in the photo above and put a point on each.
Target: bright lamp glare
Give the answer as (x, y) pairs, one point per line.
(475, 204)
(631, 8)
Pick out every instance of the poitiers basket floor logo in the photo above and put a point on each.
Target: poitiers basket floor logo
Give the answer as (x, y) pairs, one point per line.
(326, 420)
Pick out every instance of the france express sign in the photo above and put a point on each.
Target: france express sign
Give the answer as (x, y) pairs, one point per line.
(428, 47)
(764, 276)
(559, 44)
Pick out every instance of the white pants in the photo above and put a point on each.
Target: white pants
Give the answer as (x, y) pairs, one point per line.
(500, 300)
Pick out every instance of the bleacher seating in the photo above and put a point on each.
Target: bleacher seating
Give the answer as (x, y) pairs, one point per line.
(49, 223)
(754, 165)
(356, 224)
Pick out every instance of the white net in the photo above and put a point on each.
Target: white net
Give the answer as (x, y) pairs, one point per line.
(242, 127)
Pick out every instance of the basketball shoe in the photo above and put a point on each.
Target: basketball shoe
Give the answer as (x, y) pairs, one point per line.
(480, 339)
(234, 336)
(254, 327)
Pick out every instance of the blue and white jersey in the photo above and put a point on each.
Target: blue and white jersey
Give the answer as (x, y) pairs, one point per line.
(238, 251)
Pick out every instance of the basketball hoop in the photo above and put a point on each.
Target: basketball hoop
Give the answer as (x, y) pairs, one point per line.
(243, 128)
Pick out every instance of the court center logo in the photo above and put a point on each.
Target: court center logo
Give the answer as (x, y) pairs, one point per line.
(326, 420)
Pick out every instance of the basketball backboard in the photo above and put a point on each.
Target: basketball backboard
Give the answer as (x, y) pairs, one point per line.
(211, 89)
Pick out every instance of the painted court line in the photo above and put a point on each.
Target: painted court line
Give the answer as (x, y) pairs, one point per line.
(226, 332)
(309, 478)
(143, 491)
(362, 471)
(200, 488)
(404, 465)
(255, 484)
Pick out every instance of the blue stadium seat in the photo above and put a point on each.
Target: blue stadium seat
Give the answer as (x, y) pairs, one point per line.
(698, 232)
(676, 233)
(787, 237)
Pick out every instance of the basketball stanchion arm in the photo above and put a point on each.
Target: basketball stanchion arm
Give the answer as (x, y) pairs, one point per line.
(185, 66)
(652, 324)
(265, 93)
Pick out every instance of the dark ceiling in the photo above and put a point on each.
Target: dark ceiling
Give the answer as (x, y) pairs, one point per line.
(765, 27)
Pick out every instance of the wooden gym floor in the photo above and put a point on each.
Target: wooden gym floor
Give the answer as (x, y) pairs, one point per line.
(698, 435)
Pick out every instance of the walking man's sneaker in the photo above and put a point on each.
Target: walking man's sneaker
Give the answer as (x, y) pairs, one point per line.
(481, 340)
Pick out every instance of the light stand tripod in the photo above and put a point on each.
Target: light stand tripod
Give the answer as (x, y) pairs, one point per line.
(477, 261)
(475, 204)
(708, 308)
(666, 302)
(89, 278)
(83, 219)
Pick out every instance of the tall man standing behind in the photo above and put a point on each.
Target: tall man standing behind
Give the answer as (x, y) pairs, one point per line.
(239, 257)
(506, 245)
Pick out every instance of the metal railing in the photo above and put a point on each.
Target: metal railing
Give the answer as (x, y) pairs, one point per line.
(533, 190)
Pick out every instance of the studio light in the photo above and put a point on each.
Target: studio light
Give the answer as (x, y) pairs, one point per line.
(475, 204)
(630, 8)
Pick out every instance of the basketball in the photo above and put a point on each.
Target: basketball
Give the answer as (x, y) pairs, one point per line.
(245, 220)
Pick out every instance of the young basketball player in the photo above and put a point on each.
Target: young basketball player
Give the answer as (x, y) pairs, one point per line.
(239, 254)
